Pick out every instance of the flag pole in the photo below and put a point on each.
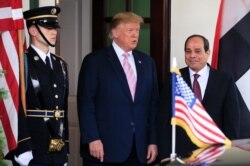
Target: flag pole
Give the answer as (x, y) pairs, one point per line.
(173, 154)
(21, 69)
(174, 70)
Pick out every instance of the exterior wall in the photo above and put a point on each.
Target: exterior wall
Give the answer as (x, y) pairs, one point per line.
(75, 43)
(191, 17)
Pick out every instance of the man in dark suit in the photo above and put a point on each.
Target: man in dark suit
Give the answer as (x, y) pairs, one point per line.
(117, 119)
(46, 95)
(218, 95)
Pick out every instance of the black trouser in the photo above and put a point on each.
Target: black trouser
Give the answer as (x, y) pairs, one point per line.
(131, 161)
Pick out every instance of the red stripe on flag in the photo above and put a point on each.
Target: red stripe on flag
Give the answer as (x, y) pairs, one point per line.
(217, 36)
(6, 24)
(5, 3)
(10, 78)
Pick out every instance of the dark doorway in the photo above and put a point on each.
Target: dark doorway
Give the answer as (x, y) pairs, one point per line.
(155, 32)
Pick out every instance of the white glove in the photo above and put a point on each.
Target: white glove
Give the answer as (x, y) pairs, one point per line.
(24, 158)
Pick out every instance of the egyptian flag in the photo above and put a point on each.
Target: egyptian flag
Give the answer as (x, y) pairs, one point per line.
(232, 52)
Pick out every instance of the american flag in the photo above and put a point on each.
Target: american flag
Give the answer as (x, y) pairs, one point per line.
(205, 156)
(189, 113)
(11, 20)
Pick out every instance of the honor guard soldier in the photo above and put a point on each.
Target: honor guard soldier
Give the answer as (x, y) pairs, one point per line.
(46, 94)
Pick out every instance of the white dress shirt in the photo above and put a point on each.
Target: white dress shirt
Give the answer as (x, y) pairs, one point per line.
(119, 52)
(202, 79)
(42, 55)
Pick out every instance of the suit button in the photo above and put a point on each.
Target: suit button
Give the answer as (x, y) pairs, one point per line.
(54, 85)
(56, 96)
(132, 124)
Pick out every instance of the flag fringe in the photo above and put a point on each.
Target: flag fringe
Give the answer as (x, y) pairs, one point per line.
(192, 137)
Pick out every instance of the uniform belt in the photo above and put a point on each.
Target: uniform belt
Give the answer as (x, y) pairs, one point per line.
(45, 113)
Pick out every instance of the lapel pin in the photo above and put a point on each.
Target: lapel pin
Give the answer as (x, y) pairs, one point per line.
(36, 58)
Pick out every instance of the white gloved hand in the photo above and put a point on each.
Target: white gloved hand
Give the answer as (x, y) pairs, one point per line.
(24, 158)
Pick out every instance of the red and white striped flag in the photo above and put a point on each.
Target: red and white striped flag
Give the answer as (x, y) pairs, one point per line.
(11, 20)
(189, 113)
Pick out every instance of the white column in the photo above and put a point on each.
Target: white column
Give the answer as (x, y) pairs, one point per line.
(47, 2)
(26, 5)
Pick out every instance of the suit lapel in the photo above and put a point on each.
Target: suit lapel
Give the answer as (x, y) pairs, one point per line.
(57, 69)
(186, 76)
(140, 75)
(116, 65)
(36, 60)
(210, 85)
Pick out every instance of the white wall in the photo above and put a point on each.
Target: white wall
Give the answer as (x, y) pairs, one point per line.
(26, 5)
(192, 17)
(46, 3)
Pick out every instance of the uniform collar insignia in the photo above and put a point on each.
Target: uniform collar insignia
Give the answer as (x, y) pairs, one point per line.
(36, 58)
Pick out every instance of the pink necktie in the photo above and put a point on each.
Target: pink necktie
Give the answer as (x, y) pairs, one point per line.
(129, 74)
(196, 87)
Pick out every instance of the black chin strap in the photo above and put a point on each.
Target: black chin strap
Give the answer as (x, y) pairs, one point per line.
(39, 30)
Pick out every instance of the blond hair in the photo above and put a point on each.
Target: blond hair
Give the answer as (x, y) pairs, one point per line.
(124, 17)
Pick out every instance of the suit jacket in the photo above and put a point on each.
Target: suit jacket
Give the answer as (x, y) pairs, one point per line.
(49, 90)
(220, 101)
(106, 109)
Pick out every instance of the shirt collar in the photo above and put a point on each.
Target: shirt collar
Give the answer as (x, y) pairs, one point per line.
(41, 53)
(203, 72)
(119, 51)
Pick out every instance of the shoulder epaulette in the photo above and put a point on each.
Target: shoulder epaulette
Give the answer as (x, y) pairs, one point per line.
(58, 57)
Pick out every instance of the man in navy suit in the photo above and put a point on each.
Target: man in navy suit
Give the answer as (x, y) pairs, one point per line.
(218, 93)
(118, 126)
